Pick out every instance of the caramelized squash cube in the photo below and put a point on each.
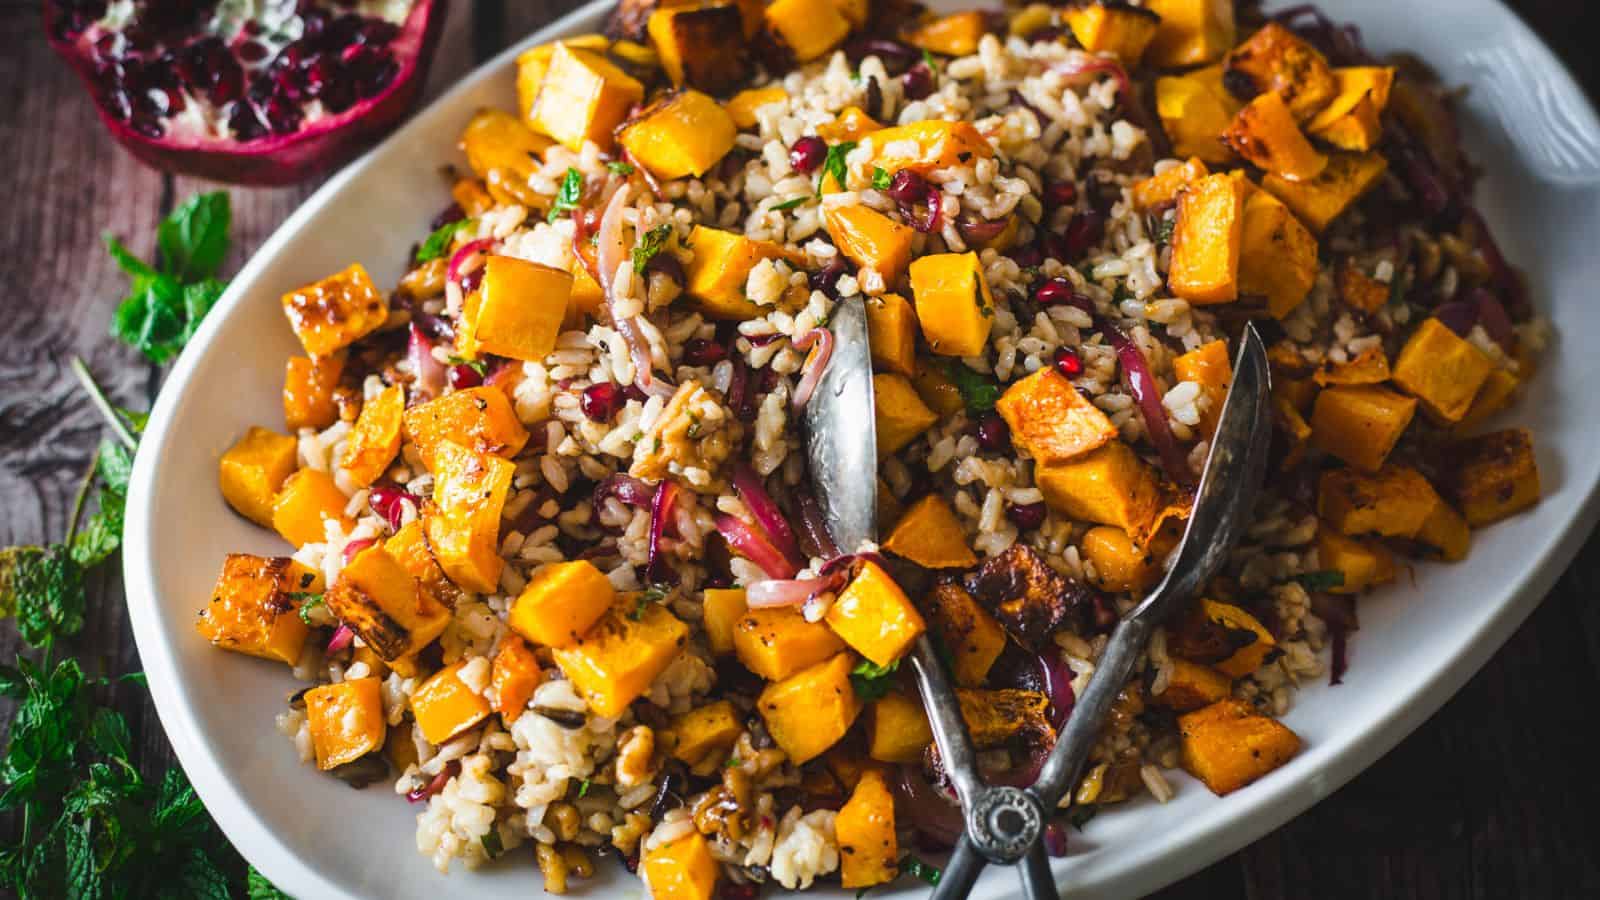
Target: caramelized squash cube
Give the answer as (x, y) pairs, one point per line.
(870, 239)
(1360, 424)
(253, 469)
(1287, 419)
(374, 441)
(1223, 636)
(1395, 501)
(497, 140)
(868, 849)
(346, 721)
(875, 617)
(335, 312)
(308, 497)
(1110, 486)
(517, 312)
(561, 602)
(900, 731)
(936, 390)
(1276, 60)
(928, 145)
(409, 547)
(1352, 120)
(1119, 29)
(851, 124)
(1493, 475)
(683, 869)
(901, 415)
(1191, 32)
(385, 605)
(308, 385)
(930, 535)
(534, 63)
(683, 133)
(1162, 188)
(1494, 396)
(809, 711)
(1207, 241)
(1191, 686)
(1447, 532)
(892, 332)
(1228, 745)
(463, 522)
(954, 306)
(444, 706)
(776, 642)
(514, 675)
(1371, 366)
(1320, 200)
(717, 273)
(1120, 565)
(1279, 256)
(615, 662)
(1363, 564)
(1443, 370)
(973, 636)
(996, 717)
(480, 418)
(705, 730)
(809, 29)
(701, 47)
(954, 35)
(583, 98)
(252, 609)
(1050, 420)
(1195, 109)
(743, 105)
(723, 608)
(1209, 367)
(1265, 134)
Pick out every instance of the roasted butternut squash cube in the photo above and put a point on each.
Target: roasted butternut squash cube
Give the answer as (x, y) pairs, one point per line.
(973, 636)
(954, 35)
(927, 145)
(856, 12)
(851, 124)
(463, 522)
(1279, 256)
(809, 711)
(307, 498)
(1352, 120)
(534, 63)
(615, 662)
(900, 731)
(1265, 134)
(705, 730)
(374, 441)
(514, 675)
(1119, 564)
(869, 852)
(388, 608)
(1276, 60)
(1208, 240)
(1370, 366)
(1227, 745)
(1320, 200)
(1442, 370)
(1052, 421)
(875, 617)
(870, 239)
(472, 196)
(1162, 188)
(807, 28)
(335, 312)
(1363, 564)
(409, 546)
(1223, 636)
(561, 602)
(1395, 501)
(1191, 32)
(444, 706)
(701, 47)
(517, 312)
(1360, 424)
(1195, 109)
(1110, 486)
(308, 385)
(1287, 419)
(1447, 532)
(253, 610)
(346, 721)
(743, 105)
(936, 390)
(997, 717)
(683, 133)
(723, 607)
(954, 306)
(901, 416)
(1209, 367)
(1119, 29)
(683, 869)
(496, 139)
(930, 535)
(583, 98)
(719, 269)
(253, 469)
(1493, 475)
(481, 419)
(1494, 396)
(1191, 686)
(776, 642)
(892, 332)
(846, 763)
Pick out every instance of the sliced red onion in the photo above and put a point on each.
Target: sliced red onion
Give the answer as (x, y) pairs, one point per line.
(609, 255)
(765, 510)
(644, 171)
(925, 809)
(467, 251)
(356, 546)
(342, 637)
(1492, 316)
(630, 490)
(847, 561)
(1142, 384)
(748, 541)
(741, 399)
(982, 232)
(1458, 316)
(1057, 686)
(1098, 65)
(1055, 839)
(785, 592)
(1502, 276)
(1339, 612)
(814, 528)
(429, 373)
(450, 770)
(657, 569)
(816, 363)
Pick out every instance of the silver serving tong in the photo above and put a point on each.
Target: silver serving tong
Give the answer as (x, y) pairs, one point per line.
(1005, 825)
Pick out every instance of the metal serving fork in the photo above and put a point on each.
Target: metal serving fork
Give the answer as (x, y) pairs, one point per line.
(1004, 824)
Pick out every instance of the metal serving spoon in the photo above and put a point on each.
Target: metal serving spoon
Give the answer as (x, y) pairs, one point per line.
(1005, 824)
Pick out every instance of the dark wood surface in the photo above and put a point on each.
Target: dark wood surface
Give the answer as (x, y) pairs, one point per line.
(1494, 797)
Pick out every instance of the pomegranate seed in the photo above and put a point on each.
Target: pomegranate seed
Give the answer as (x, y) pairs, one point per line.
(1026, 516)
(600, 401)
(451, 213)
(917, 82)
(463, 376)
(1084, 231)
(827, 280)
(1028, 256)
(1053, 291)
(1060, 193)
(808, 153)
(908, 187)
(701, 352)
(388, 501)
(634, 392)
(994, 434)
(769, 381)
(251, 51)
(1067, 362)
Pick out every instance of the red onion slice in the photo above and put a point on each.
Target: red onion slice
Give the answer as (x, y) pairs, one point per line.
(929, 813)
(450, 770)
(785, 592)
(1458, 316)
(1142, 384)
(342, 638)
(1057, 686)
(429, 373)
(657, 569)
(356, 546)
(1492, 316)
(609, 256)
(766, 512)
(748, 541)
(819, 344)
(467, 251)
(630, 490)
(982, 231)
(1098, 65)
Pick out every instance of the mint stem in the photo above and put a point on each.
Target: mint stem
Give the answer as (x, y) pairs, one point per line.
(97, 396)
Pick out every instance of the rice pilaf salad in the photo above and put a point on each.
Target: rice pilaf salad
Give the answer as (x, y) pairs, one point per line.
(559, 576)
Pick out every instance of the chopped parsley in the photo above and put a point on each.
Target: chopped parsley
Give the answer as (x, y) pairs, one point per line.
(929, 61)
(880, 178)
(650, 243)
(1164, 231)
(308, 602)
(491, 843)
(1323, 580)
(620, 167)
(439, 242)
(476, 365)
(790, 203)
(915, 867)
(583, 788)
(568, 196)
(871, 681)
(834, 165)
(649, 595)
(732, 763)
(979, 392)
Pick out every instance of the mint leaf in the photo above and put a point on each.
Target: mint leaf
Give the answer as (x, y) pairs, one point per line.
(1323, 580)
(833, 164)
(651, 243)
(308, 602)
(194, 239)
(979, 392)
(437, 243)
(567, 197)
(880, 178)
(871, 681)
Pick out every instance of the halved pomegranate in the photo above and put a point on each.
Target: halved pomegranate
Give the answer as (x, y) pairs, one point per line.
(247, 91)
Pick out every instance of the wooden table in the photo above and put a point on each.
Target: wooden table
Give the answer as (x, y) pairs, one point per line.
(1492, 798)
